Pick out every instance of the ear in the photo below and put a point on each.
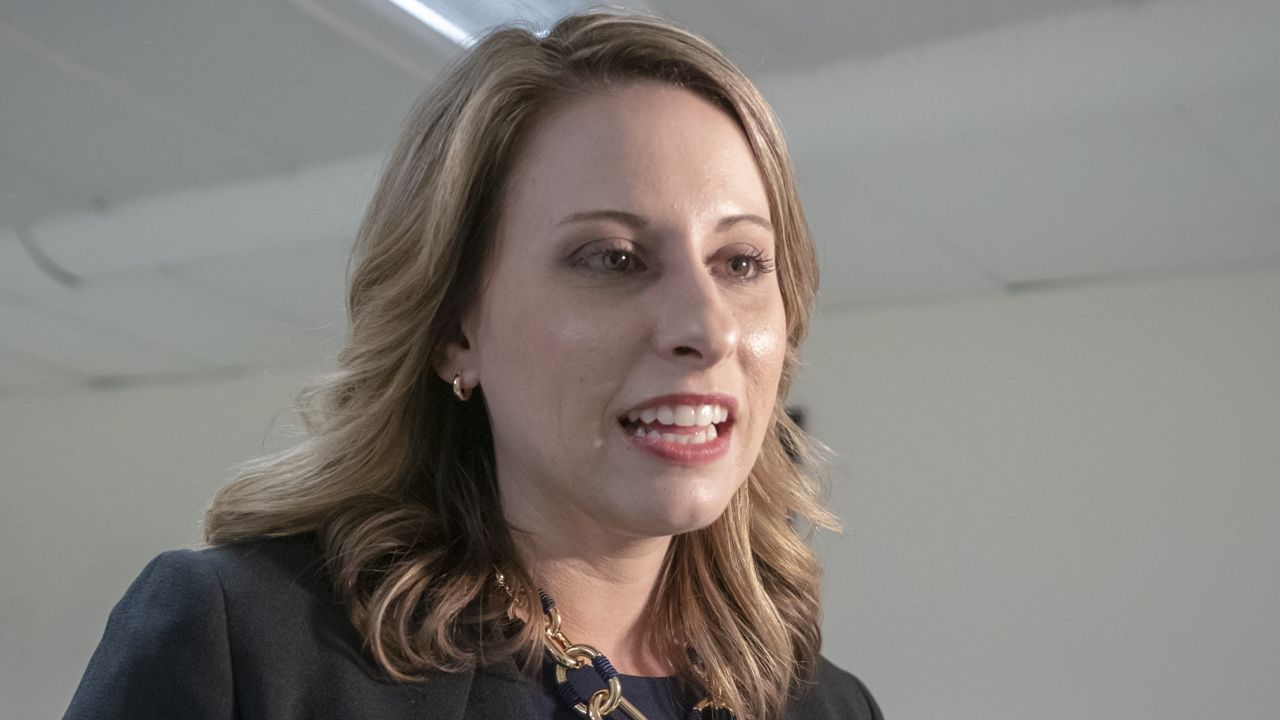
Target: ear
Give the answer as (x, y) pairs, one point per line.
(460, 355)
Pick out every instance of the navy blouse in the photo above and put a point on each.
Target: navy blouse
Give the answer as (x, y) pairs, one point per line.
(659, 698)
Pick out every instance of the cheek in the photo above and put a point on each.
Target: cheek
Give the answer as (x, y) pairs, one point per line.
(763, 351)
(554, 359)
(764, 348)
(764, 345)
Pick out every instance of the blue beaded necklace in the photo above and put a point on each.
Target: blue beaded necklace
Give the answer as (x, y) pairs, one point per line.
(568, 655)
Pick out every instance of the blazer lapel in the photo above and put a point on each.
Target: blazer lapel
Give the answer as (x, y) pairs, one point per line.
(443, 696)
(498, 691)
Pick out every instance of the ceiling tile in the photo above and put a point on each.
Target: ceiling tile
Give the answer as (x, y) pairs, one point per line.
(769, 36)
(20, 274)
(189, 320)
(19, 376)
(74, 346)
(27, 194)
(267, 74)
(320, 201)
(105, 144)
(1138, 191)
(306, 282)
(1244, 123)
(873, 252)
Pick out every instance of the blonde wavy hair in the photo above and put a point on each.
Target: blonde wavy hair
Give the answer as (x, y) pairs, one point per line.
(396, 477)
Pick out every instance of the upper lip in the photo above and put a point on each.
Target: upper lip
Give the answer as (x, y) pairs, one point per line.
(725, 401)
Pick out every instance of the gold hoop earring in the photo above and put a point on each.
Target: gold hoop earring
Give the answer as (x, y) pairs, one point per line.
(460, 392)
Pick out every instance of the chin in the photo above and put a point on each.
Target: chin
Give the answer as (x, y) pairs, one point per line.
(676, 518)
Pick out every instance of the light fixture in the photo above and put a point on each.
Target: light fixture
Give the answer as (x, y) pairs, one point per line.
(462, 22)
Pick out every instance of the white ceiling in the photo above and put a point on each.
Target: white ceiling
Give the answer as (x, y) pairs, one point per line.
(180, 180)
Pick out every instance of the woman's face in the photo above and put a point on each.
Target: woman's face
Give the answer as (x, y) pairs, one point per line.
(630, 335)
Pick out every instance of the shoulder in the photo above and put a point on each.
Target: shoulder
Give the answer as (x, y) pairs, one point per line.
(281, 607)
(271, 560)
(267, 559)
(164, 651)
(182, 590)
(834, 693)
(271, 569)
(276, 577)
(250, 625)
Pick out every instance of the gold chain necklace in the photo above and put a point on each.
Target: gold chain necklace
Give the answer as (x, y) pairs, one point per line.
(572, 656)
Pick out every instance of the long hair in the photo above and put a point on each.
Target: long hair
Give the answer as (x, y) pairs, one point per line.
(397, 478)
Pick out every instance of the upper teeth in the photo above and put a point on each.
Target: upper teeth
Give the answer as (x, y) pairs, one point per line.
(681, 415)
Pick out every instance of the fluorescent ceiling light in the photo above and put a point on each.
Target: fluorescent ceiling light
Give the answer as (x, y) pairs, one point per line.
(464, 21)
(436, 21)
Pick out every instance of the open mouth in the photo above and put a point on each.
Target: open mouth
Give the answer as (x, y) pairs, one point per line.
(678, 424)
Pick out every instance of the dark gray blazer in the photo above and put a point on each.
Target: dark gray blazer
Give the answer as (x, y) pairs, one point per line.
(252, 631)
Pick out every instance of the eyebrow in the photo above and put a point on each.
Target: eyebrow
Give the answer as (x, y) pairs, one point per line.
(631, 220)
(731, 220)
(637, 222)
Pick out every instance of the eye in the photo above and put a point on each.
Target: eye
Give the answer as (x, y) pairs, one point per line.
(617, 260)
(612, 257)
(748, 266)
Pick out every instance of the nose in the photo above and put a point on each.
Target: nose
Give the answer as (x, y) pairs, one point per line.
(695, 323)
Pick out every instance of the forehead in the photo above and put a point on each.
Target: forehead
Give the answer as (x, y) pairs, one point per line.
(648, 148)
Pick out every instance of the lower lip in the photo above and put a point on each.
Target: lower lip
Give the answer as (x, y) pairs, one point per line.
(687, 454)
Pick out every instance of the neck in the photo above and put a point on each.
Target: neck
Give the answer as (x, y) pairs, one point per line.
(603, 593)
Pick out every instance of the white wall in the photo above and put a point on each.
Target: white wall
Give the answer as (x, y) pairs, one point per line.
(1058, 505)
(92, 486)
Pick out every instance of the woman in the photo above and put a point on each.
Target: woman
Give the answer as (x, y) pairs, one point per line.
(577, 296)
